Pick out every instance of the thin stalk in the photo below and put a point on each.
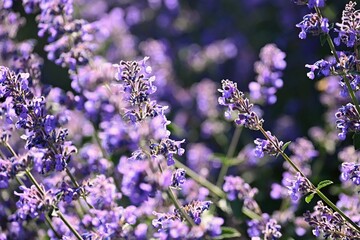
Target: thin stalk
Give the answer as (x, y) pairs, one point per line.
(251, 214)
(320, 194)
(201, 180)
(73, 180)
(36, 184)
(230, 153)
(177, 204)
(33, 181)
(48, 221)
(179, 207)
(98, 142)
(73, 230)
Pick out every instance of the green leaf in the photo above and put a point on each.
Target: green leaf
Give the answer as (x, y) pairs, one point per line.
(285, 145)
(228, 232)
(356, 141)
(324, 184)
(323, 39)
(309, 197)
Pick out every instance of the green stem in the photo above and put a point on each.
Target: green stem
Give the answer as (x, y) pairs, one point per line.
(48, 221)
(346, 79)
(201, 180)
(230, 153)
(177, 204)
(73, 230)
(320, 194)
(251, 214)
(333, 206)
(179, 207)
(36, 184)
(98, 142)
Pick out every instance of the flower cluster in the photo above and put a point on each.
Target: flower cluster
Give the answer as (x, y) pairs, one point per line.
(328, 223)
(271, 146)
(193, 209)
(350, 171)
(29, 112)
(266, 227)
(178, 178)
(236, 101)
(313, 24)
(103, 156)
(347, 120)
(299, 187)
(268, 80)
(348, 29)
(237, 188)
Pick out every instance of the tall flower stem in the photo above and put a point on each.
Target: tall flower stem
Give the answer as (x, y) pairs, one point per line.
(343, 75)
(319, 193)
(37, 185)
(173, 198)
(230, 153)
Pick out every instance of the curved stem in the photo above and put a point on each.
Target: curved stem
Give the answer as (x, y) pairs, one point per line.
(320, 194)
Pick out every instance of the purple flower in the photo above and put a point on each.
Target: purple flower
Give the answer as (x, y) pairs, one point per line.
(32, 203)
(310, 3)
(178, 178)
(269, 74)
(236, 102)
(348, 29)
(350, 171)
(137, 80)
(267, 228)
(348, 120)
(194, 209)
(330, 224)
(266, 146)
(167, 148)
(31, 115)
(321, 66)
(236, 187)
(313, 24)
(299, 187)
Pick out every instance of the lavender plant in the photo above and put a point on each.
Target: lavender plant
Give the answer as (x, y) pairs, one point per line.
(132, 149)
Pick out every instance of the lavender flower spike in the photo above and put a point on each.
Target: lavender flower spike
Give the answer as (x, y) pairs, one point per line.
(299, 187)
(32, 203)
(348, 120)
(348, 29)
(330, 224)
(236, 101)
(313, 24)
(266, 146)
(269, 73)
(266, 227)
(350, 171)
